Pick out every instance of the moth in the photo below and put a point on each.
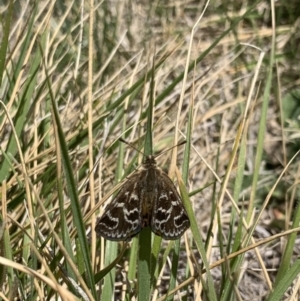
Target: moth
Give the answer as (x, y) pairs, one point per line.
(148, 198)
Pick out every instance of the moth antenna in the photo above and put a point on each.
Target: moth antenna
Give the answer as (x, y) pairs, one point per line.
(131, 145)
(178, 144)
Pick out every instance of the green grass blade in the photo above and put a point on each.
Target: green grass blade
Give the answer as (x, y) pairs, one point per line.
(174, 270)
(72, 190)
(209, 286)
(285, 282)
(144, 265)
(5, 36)
(111, 250)
(20, 118)
(145, 255)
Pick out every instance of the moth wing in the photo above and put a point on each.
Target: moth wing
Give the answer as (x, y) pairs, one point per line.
(122, 217)
(169, 218)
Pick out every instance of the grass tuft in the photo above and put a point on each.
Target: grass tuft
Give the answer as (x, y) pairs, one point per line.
(154, 74)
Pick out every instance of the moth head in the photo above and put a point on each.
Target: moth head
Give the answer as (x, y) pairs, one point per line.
(149, 160)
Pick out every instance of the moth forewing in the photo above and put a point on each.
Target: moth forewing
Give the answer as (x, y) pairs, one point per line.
(121, 219)
(169, 218)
